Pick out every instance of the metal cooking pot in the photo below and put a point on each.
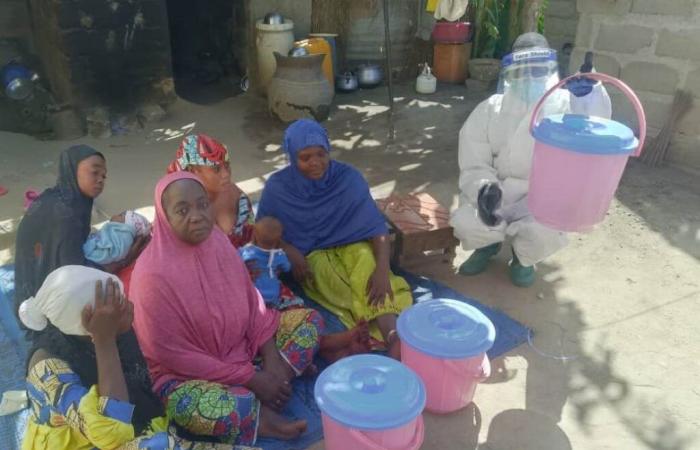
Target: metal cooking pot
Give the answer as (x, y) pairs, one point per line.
(369, 75)
(17, 81)
(273, 18)
(346, 82)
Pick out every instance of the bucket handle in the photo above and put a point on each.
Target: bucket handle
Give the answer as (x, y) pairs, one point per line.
(629, 93)
(413, 445)
(481, 374)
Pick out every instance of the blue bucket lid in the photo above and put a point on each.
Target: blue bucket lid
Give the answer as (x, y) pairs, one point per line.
(370, 392)
(586, 134)
(446, 328)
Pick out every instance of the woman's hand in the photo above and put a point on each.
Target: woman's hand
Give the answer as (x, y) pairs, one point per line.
(110, 316)
(301, 271)
(277, 366)
(379, 287)
(127, 318)
(253, 270)
(271, 390)
(300, 267)
(136, 248)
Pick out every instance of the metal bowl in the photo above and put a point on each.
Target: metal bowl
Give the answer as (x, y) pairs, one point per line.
(298, 51)
(273, 18)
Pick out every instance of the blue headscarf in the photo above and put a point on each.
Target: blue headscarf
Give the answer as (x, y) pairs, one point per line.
(316, 214)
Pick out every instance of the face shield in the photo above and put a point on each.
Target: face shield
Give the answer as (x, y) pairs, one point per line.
(527, 74)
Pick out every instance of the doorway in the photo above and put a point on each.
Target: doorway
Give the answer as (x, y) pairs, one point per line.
(203, 41)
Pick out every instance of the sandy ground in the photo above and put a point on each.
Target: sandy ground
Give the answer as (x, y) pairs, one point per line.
(613, 362)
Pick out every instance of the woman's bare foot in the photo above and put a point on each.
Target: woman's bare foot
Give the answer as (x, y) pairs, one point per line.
(352, 342)
(393, 345)
(273, 425)
(394, 350)
(342, 340)
(311, 371)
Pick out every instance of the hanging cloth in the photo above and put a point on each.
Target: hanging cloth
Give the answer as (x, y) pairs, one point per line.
(451, 10)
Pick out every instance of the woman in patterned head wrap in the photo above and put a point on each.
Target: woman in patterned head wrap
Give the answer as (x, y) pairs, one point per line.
(208, 158)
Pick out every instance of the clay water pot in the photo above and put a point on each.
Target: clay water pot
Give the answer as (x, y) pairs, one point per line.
(299, 89)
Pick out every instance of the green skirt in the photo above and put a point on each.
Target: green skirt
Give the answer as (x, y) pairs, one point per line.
(339, 284)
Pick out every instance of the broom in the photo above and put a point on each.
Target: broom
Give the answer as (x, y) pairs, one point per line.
(655, 153)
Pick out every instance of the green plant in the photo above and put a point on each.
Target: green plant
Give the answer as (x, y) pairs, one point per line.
(540, 16)
(498, 24)
(487, 34)
(511, 24)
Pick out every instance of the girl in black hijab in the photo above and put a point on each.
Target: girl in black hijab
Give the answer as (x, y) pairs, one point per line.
(54, 229)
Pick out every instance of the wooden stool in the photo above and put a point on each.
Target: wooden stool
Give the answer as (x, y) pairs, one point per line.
(418, 224)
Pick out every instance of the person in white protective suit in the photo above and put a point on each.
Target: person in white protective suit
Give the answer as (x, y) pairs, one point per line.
(495, 154)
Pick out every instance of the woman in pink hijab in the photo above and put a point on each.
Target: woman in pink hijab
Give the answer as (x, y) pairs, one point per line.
(201, 324)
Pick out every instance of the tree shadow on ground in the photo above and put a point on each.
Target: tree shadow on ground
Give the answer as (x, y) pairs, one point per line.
(667, 200)
(524, 430)
(568, 367)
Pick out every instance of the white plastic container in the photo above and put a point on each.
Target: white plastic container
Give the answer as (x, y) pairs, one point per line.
(426, 83)
(270, 39)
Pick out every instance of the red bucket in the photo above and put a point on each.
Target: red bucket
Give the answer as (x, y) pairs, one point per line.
(451, 32)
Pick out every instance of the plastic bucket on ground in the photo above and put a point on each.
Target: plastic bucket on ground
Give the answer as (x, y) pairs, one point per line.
(370, 402)
(445, 342)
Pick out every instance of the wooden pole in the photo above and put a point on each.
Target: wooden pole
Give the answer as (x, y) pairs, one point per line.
(332, 16)
(389, 80)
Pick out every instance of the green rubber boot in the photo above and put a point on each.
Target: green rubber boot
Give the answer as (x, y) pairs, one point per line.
(521, 276)
(478, 261)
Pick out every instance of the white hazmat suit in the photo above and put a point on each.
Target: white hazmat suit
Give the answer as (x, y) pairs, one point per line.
(495, 146)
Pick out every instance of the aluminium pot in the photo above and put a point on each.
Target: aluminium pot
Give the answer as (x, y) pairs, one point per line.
(370, 75)
(346, 82)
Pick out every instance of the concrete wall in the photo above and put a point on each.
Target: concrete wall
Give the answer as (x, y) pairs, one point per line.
(560, 22)
(14, 20)
(654, 46)
(15, 30)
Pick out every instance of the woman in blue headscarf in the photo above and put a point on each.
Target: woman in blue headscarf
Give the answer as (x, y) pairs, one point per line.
(334, 235)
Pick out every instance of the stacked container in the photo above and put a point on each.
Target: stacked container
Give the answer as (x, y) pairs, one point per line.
(451, 51)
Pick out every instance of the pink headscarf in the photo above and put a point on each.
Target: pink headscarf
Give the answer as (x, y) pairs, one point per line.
(197, 315)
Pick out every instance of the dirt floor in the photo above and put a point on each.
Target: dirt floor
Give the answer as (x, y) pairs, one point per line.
(613, 362)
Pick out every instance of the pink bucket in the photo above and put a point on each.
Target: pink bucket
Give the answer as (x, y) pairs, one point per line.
(450, 384)
(445, 342)
(370, 402)
(578, 162)
(339, 437)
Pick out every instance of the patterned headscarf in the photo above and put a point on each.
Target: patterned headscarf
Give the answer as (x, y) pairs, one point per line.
(139, 222)
(199, 150)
